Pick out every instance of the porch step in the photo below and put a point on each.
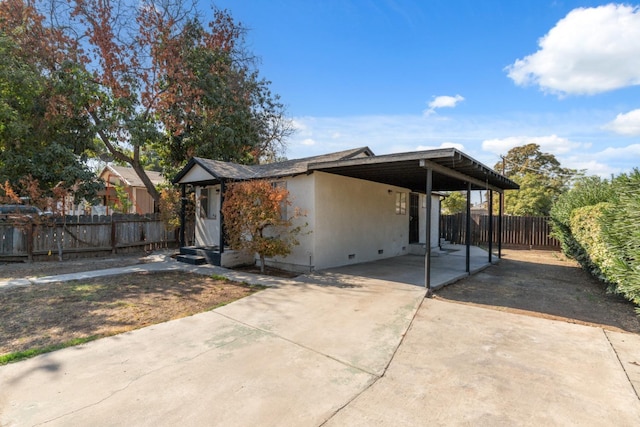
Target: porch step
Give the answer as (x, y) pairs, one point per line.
(192, 259)
(210, 254)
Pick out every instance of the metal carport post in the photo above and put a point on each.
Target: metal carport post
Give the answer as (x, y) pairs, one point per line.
(427, 256)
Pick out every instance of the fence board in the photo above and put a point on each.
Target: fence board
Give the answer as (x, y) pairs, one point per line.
(85, 234)
(522, 231)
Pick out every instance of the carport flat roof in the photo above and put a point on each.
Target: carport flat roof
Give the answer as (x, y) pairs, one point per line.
(452, 170)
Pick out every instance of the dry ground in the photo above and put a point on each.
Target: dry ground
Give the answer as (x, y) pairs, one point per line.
(48, 315)
(538, 283)
(545, 284)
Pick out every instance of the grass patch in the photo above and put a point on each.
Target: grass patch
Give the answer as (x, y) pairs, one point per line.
(32, 352)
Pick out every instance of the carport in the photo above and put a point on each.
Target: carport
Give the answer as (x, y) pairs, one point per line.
(425, 172)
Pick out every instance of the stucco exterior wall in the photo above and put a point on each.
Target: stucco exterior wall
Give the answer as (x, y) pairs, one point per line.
(356, 221)
(301, 195)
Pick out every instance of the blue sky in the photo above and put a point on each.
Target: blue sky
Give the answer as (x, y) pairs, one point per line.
(481, 76)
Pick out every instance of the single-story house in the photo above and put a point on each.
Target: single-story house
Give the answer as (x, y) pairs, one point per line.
(141, 201)
(360, 207)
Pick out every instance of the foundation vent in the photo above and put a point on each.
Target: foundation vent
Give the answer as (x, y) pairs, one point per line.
(352, 256)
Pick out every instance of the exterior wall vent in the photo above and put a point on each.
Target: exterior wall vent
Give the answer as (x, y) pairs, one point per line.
(352, 256)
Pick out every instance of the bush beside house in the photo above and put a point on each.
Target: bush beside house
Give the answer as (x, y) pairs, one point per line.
(597, 224)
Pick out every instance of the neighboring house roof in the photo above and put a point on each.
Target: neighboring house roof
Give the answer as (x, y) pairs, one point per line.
(233, 171)
(129, 177)
(452, 170)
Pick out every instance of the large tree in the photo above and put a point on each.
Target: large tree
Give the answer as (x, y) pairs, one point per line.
(41, 137)
(540, 176)
(161, 82)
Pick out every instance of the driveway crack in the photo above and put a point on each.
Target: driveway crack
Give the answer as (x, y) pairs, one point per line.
(384, 371)
(635, 390)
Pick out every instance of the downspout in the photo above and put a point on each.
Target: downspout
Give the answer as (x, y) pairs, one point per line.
(427, 256)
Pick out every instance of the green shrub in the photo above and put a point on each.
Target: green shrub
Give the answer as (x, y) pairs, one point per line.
(587, 191)
(621, 231)
(587, 231)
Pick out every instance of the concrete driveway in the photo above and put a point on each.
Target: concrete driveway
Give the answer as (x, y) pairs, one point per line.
(335, 349)
(290, 355)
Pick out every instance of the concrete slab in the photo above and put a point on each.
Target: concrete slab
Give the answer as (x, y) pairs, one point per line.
(464, 365)
(627, 348)
(201, 370)
(289, 355)
(447, 267)
(359, 323)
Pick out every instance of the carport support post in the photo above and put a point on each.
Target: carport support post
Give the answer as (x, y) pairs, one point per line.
(427, 256)
(223, 188)
(490, 226)
(500, 209)
(468, 231)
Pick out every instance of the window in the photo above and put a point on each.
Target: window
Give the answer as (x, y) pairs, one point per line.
(401, 203)
(209, 203)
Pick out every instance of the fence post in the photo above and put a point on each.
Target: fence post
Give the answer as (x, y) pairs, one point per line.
(30, 244)
(113, 235)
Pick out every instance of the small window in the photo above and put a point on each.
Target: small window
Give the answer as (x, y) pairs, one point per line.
(209, 203)
(401, 203)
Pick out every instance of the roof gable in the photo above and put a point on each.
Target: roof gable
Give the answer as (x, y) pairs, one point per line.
(128, 175)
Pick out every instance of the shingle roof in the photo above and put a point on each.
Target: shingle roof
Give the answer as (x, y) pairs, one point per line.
(225, 170)
(129, 177)
(452, 169)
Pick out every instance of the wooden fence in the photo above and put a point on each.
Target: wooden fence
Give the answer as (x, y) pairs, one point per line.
(517, 231)
(85, 236)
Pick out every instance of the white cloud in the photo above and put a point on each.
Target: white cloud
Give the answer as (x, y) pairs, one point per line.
(583, 144)
(458, 147)
(550, 144)
(607, 162)
(630, 152)
(626, 124)
(591, 50)
(443, 101)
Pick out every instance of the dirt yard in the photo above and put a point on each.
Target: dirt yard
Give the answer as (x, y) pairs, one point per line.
(545, 284)
(48, 315)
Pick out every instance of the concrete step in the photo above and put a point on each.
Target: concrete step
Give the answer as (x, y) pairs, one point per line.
(189, 250)
(192, 259)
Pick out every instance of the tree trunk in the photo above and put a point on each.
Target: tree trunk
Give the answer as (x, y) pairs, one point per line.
(262, 264)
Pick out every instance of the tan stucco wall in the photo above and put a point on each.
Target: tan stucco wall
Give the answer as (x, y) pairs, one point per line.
(357, 217)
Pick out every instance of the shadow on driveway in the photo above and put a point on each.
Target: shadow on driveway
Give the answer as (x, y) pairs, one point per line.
(545, 284)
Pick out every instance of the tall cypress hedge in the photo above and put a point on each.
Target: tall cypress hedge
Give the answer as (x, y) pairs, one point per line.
(621, 230)
(598, 224)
